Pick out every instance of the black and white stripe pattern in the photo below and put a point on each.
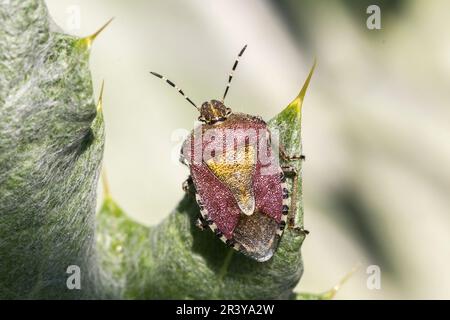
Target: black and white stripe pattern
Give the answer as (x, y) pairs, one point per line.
(176, 88)
(286, 204)
(213, 226)
(230, 76)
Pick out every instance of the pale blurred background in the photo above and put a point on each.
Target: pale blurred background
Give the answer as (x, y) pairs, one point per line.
(376, 120)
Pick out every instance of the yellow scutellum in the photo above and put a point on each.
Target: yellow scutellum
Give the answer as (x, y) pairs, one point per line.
(235, 169)
(296, 104)
(100, 98)
(86, 42)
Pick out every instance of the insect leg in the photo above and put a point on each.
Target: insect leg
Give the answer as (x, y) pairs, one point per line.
(292, 172)
(201, 223)
(285, 156)
(187, 184)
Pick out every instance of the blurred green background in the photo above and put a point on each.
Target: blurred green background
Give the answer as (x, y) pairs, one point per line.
(376, 119)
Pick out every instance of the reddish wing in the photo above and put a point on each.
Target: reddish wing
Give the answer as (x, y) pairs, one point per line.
(217, 202)
(268, 193)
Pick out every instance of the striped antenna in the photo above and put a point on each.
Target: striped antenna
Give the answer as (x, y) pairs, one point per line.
(173, 85)
(230, 76)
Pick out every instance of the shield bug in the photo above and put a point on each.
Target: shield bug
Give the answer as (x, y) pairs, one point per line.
(240, 187)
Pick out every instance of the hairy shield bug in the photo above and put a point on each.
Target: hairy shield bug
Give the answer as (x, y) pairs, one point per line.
(239, 185)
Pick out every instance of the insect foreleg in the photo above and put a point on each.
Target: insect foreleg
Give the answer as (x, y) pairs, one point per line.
(290, 171)
(187, 184)
(286, 157)
(201, 223)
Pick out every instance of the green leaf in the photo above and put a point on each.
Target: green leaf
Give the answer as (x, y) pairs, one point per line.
(51, 147)
(175, 260)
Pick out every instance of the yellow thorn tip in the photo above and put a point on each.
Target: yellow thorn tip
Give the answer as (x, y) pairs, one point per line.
(298, 101)
(100, 98)
(87, 41)
(105, 184)
(332, 292)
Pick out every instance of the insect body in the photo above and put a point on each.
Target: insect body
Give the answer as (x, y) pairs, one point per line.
(240, 188)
